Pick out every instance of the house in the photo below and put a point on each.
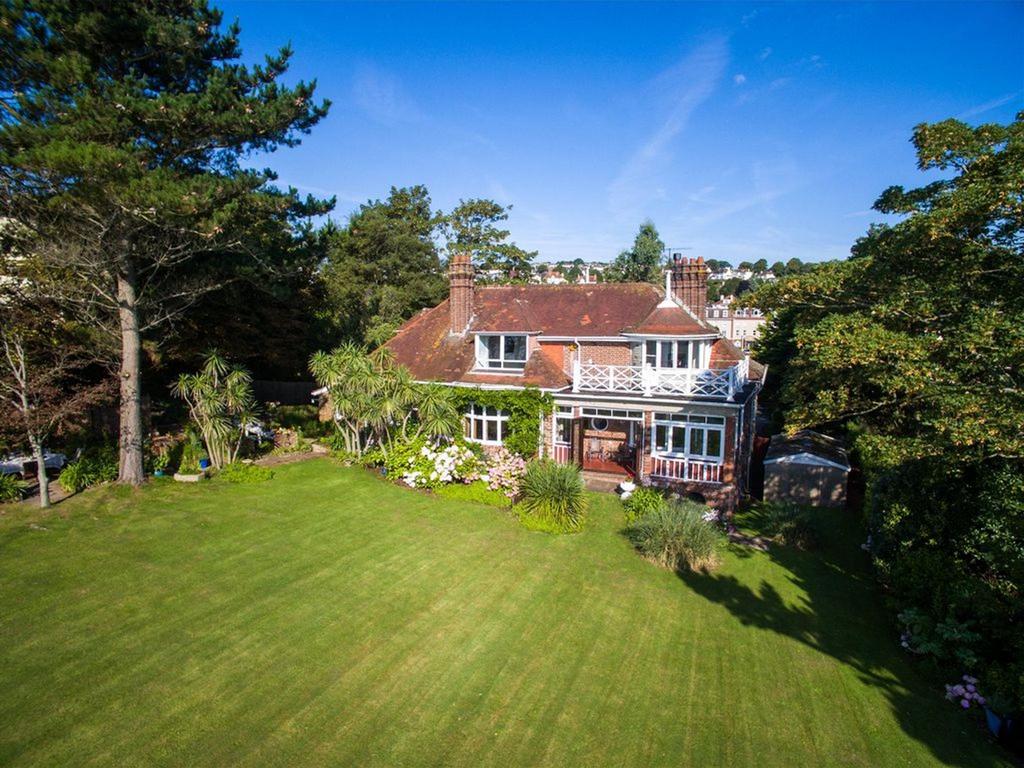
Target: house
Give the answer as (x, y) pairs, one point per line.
(739, 324)
(806, 468)
(643, 386)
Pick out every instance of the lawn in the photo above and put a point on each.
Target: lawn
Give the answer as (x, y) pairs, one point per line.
(329, 618)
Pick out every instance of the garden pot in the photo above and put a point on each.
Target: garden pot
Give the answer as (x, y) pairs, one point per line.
(999, 725)
(204, 464)
(189, 478)
(158, 473)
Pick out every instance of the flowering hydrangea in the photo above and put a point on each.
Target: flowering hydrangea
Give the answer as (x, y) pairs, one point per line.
(504, 472)
(966, 692)
(437, 465)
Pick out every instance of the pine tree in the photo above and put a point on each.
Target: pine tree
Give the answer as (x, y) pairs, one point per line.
(122, 130)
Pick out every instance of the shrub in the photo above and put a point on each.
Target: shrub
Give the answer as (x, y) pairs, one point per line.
(677, 536)
(94, 466)
(191, 453)
(237, 472)
(791, 524)
(505, 471)
(421, 464)
(642, 501)
(11, 489)
(553, 497)
(477, 492)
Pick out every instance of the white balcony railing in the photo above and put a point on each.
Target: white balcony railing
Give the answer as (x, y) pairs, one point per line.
(648, 380)
(685, 470)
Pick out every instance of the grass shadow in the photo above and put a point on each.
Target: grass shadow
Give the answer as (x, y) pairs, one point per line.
(841, 616)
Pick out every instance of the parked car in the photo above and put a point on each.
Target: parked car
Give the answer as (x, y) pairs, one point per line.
(14, 464)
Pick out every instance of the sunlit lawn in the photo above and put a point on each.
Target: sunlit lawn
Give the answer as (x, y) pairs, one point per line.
(330, 618)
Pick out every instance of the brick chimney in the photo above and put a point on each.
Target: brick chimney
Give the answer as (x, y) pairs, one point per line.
(460, 293)
(690, 283)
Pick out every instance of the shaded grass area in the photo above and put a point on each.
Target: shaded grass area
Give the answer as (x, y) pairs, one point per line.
(328, 617)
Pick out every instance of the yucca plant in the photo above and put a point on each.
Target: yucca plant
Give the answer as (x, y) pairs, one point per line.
(677, 536)
(11, 488)
(554, 493)
(220, 401)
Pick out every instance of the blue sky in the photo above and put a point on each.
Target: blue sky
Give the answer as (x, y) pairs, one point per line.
(742, 130)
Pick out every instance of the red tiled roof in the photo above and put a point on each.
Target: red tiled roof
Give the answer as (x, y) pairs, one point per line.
(603, 309)
(672, 321)
(425, 347)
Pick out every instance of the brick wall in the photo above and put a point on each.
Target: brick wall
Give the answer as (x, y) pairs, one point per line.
(605, 353)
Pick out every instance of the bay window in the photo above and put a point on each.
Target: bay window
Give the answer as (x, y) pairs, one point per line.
(673, 353)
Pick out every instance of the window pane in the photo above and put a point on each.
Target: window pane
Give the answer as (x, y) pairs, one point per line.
(493, 347)
(491, 410)
(515, 347)
(660, 438)
(678, 439)
(696, 441)
(563, 430)
(682, 354)
(478, 429)
(666, 354)
(714, 443)
(652, 353)
(492, 431)
(467, 428)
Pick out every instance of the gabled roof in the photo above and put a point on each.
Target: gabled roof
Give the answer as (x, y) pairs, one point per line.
(807, 447)
(423, 344)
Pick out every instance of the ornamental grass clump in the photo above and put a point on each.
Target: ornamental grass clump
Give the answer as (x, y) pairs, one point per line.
(677, 536)
(553, 497)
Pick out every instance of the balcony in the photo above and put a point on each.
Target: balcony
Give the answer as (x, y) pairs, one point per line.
(649, 381)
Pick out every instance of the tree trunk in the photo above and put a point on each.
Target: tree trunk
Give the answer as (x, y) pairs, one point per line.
(44, 481)
(130, 469)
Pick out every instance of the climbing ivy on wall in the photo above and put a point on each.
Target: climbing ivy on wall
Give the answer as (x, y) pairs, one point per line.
(523, 406)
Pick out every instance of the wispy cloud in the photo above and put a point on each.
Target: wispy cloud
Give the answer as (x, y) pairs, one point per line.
(765, 53)
(988, 105)
(683, 87)
(739, 79)
(381, 96)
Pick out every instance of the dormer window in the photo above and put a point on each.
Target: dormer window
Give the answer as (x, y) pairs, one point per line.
(505, 352)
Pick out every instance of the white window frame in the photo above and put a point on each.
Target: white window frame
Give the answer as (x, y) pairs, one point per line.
(483, 416)
(688, 426)
(563, 415)
(696, 354)
(502, 362)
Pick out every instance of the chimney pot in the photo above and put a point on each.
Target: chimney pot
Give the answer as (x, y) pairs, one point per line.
(460, 293)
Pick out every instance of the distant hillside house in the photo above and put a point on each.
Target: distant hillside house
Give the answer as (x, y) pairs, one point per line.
(738, 324)
(644, 387)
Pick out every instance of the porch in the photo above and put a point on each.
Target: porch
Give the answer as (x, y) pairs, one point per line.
(618, 444)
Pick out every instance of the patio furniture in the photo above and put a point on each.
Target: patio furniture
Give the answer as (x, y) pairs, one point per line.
(595, 449)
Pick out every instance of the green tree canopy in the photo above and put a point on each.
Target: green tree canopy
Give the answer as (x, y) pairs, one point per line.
(916, 344)
(641, 263)
(472, 227)
(122, 133)
(384, 265)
